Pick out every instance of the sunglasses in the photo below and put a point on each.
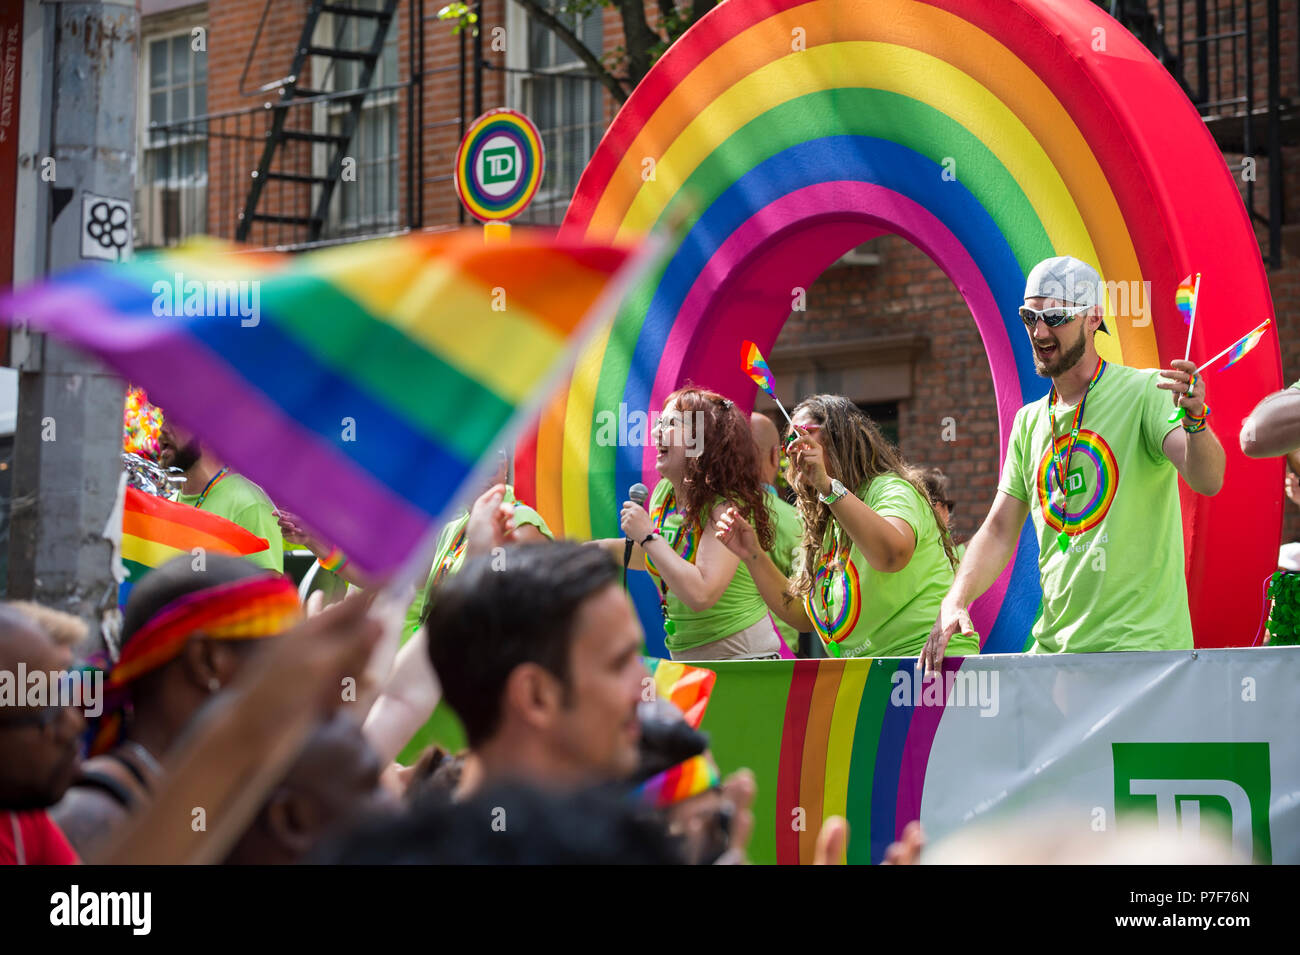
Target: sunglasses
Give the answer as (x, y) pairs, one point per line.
(1052, 317)
(800, 430)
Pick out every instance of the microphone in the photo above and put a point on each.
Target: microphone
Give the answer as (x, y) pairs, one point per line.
(638, 492)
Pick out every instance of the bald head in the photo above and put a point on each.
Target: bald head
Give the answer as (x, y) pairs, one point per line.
(22, 640)
(38, 743)
(767, 441)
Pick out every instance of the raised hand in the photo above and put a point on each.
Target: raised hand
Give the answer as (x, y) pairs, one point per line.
(491, 522)
(293, 532)
(907, 850)
(809, 460)
(739, 789)
(738, 534)
(1188, 387)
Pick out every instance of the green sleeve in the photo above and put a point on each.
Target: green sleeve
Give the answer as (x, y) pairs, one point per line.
(257, 518)
(1156, 406)
(897, 498)
(525, 516)
(416, 609)
(1014, 473)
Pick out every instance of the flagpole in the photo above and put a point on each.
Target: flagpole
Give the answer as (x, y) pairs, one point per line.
(1179, 413)
(1191, 326)
(782, 407)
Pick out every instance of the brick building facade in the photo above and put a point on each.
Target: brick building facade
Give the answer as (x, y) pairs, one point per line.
(886, 326)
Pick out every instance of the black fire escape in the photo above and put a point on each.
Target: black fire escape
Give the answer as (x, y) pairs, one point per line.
(293, 89)
(1219, 51)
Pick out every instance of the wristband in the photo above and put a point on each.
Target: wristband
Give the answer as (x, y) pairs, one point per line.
(649, 537)
(1193, 424)
(333, 561)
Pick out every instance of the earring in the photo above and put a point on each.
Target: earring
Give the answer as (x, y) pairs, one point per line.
(213, 684)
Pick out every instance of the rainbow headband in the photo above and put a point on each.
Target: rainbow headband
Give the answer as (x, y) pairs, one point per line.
(245, 609)
(688, 778)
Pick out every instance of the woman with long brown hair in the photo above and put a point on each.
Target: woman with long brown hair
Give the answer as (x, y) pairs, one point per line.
(876, 558)
(711, 608)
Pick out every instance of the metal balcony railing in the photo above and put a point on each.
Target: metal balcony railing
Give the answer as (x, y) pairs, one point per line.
(1227, 56)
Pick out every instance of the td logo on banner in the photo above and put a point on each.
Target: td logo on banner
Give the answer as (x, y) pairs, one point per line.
(1181, 783)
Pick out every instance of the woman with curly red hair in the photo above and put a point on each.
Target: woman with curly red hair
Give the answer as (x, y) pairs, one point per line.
(712, 610)
(877, 558)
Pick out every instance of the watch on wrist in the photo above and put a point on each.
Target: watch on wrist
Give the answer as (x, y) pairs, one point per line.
(838, 490)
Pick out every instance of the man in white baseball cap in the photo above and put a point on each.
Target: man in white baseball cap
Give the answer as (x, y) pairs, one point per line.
(1095, 463)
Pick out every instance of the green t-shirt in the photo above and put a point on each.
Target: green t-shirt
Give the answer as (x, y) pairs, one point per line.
(450, 554)
(238, 499)
(1120, 584)
(784, 551)
(870, 613)
(740, 605)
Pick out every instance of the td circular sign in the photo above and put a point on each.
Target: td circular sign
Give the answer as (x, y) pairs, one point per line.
(499, 165)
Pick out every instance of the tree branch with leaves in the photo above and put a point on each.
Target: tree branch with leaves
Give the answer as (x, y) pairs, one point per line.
(643, 43)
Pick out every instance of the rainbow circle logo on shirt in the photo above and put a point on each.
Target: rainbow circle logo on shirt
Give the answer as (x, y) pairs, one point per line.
(1092, 465)
(835, 600)
(499, 165)
(667, 521)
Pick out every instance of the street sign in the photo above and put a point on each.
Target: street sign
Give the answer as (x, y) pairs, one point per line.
(499, 165)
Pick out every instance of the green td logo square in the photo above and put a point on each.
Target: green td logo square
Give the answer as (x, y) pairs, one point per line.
(1180, 783)
(499, 165)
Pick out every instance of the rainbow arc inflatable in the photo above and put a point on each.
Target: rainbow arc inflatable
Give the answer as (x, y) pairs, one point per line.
(989, 133)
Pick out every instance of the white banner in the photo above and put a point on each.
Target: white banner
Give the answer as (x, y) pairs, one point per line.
(1184, 736)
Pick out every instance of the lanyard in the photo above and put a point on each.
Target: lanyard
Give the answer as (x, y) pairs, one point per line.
(1061, 464)
(837, 553)
(456, 549)
(203, 495)
(657, 519)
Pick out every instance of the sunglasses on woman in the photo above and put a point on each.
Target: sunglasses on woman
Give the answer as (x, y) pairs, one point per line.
(1052, 317)
(801, 431)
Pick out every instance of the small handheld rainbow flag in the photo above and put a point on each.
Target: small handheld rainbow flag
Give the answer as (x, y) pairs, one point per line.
(1241, 346)
(154, 530)
(686, 687)
(1185, 297)
(756, 367)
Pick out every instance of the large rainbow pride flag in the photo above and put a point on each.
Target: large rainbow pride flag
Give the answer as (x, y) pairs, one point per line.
(154, 530)
(361, 385)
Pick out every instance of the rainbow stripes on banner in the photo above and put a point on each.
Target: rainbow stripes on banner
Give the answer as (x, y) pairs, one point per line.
(836, 747)
(1246, 343)
(360, 385)
(154, 530)
(687, 687)
(756, 367)
(1185, 298)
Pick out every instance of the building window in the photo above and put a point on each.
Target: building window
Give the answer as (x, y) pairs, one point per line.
(173, 200)
(370, 202)
(885, 415)
(563, 102)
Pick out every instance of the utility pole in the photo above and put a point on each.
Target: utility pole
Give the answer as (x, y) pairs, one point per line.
(76, 169)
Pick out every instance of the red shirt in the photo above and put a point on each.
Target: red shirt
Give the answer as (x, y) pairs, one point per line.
(32, 838)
